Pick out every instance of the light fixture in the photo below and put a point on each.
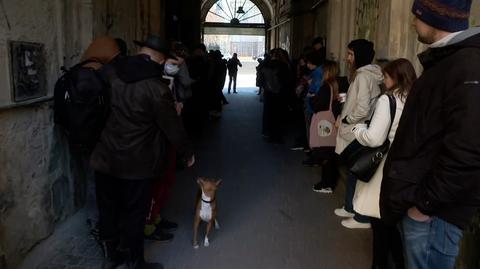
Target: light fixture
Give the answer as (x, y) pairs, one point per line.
(240, 10)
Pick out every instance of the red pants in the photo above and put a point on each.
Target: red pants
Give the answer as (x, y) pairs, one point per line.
(163, 186)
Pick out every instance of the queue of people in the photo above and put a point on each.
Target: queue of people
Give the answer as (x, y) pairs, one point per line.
(423, 191)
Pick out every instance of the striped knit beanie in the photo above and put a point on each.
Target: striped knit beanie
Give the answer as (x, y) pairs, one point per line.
(447, 15)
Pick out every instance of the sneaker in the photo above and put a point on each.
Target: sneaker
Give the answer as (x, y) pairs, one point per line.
(341, 212)
(167, 226)
(297, 148)
(159, 236)
(321, 189)
(351, 223)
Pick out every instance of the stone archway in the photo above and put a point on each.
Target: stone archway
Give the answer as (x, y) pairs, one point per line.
(264, 6)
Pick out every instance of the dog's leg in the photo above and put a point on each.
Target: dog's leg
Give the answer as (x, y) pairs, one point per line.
(206, 243)
(217, 226)
(196, 223)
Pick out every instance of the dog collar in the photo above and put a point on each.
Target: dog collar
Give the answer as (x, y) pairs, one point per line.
(206, 197)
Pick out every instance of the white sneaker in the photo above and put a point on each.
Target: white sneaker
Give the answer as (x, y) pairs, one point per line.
(341, 212)
(353, 224)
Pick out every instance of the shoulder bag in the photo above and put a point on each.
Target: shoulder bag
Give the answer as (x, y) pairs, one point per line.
(363, 161)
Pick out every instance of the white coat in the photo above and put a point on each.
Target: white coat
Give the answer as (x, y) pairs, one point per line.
(366, 200)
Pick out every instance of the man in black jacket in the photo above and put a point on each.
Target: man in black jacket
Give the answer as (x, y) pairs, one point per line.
(432, 173)
(131, 150)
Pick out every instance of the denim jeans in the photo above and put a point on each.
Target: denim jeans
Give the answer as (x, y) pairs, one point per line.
(433, 244)
(349, 193)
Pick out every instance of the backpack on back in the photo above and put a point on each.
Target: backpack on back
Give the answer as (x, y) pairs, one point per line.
(81, 105)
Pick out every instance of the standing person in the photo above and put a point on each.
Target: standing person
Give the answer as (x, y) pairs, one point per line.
(399, 78)
(361, 96)
(326, 99)
(432, 174)
(314, 62)
(101, 51)
(131, 150)
(277, 83)
(232, 66)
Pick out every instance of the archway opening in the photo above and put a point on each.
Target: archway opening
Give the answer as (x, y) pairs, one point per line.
(237, 26)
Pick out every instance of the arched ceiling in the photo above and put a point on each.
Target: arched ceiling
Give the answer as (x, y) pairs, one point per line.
(265, 7)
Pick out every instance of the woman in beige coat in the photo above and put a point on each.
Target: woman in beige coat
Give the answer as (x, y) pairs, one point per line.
(361, 96)
(399, 77)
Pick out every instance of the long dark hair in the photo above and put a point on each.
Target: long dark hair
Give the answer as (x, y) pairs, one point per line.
(330, 71)
(403, 74)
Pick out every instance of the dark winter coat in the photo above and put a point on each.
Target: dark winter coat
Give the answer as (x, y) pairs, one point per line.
(434, 161)
(141, 121)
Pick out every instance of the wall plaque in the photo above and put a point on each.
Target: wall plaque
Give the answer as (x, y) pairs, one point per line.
(28, 70)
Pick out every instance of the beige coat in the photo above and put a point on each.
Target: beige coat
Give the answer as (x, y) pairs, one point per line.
(361, 97)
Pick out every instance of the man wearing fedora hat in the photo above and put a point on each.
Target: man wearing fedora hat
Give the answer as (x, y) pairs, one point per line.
(432, 174)
(131, 150)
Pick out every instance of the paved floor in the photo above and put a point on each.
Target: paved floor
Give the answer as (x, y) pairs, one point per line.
(268, 214)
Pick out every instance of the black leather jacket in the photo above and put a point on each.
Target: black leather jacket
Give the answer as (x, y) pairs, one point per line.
(141, 121)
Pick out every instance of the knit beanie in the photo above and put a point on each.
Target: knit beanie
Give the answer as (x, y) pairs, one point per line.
(447, 15)
(363, 51)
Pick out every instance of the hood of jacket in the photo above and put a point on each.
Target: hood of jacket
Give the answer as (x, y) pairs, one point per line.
(372, 70)
(467, 39)
(139, 67)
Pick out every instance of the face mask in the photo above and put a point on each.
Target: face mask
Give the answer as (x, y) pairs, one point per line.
(171, 69)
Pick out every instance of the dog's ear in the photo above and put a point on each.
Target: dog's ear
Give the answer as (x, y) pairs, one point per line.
(218, 182)
(200, 181)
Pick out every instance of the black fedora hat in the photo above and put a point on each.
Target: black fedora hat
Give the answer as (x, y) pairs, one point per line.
(156, 43)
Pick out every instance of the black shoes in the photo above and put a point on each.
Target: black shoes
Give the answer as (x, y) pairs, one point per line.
(311, 162)
(167, 226)
(159, 236)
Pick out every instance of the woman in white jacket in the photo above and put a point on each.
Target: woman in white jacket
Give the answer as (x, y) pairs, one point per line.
(399, 77)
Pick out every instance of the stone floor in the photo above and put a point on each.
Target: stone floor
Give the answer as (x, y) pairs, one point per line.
(268, 214)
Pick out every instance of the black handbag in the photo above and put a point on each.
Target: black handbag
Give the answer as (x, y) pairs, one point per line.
(363, 161)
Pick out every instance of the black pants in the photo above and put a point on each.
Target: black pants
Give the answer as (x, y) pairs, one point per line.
(273, 116)
(232, 77)
(387, 246)
(122, 205)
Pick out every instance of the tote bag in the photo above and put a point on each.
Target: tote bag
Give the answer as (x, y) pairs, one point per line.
(323, 132)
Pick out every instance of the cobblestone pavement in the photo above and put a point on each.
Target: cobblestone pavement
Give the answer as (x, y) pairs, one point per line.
(269, 217)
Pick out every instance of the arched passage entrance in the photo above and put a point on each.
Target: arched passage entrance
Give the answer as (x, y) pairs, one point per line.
(238, 17)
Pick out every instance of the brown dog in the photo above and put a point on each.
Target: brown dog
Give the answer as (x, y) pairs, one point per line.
(205, 208)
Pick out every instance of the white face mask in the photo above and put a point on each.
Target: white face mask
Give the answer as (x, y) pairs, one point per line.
(171, 69)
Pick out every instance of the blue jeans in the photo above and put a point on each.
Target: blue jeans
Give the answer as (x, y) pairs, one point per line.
(433, 244)
(349, 193)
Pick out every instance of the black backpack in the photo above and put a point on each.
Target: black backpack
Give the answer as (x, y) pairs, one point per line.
(81, 105)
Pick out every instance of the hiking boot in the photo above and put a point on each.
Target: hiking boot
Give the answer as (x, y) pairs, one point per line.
(167, 226)
(159, 236)
(112, 257)
(321, 189)
(137, 262)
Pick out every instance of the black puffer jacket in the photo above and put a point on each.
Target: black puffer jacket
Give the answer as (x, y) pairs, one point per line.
(434, 161)
(141, 121)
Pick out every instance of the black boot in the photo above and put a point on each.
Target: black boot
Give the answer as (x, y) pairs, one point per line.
(136, 261)
(112, 258)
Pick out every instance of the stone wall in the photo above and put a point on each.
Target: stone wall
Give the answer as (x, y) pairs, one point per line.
(38, 187)
(41, 181)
